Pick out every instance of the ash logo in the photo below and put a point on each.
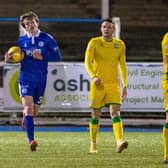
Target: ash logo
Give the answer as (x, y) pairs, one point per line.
(69, 82)
(73, 84)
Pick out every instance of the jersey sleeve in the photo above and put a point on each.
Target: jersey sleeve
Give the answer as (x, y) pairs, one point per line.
(164, 46)
(89, 54)
(54, 51)
(123, 65)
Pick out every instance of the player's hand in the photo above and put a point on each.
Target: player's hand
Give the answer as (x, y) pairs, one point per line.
(166, 59)
(37, 55)
(97, 81)
(124, 92)
(8, 57)
(23, 124)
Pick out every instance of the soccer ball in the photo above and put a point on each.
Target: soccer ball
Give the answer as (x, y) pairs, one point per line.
(17, 54)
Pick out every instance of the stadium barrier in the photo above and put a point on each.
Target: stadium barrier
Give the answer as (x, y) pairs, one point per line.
(68, 88)
(115, 19)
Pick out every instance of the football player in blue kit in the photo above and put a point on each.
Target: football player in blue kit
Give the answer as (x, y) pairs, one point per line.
(39, 48)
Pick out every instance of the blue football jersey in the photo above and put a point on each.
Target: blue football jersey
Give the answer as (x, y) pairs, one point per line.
(33, 69)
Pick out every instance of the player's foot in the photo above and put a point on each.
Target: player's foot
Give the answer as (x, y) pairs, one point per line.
(33, 145)
(121, 146)
(165, 161)
(23, 124)
(93, 148)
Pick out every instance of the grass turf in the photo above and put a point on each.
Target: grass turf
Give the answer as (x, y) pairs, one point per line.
(70, 150)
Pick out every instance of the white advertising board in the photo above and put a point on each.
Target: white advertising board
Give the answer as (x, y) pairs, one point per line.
(68, 88)
(144, 87)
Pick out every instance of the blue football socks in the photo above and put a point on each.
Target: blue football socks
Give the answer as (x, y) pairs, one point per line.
(29, 125)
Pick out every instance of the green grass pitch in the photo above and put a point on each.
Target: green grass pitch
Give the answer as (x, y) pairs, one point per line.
(70, 150)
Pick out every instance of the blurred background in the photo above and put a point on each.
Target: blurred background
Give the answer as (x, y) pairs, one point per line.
(143, 24)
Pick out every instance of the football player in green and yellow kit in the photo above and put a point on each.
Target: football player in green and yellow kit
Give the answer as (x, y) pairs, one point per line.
(105, 56)
(165, 94)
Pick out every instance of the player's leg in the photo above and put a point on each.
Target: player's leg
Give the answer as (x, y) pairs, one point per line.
(165, 139)
(28, 104)
(117, 127)
(113, 99)
(38, 93)
(36, 110)
(22, 122)
(35, 114)
(26, 90)
(93, 129)
(165, 135)
(96, 97)
(33, 143)
(165, 126)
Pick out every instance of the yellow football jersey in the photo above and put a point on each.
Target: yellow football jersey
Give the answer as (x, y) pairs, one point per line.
(103, 58)
(165, 52)
(165, 70)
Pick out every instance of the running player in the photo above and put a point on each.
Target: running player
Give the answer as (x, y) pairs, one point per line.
(165, 94)
(103, 56)
(39, 48)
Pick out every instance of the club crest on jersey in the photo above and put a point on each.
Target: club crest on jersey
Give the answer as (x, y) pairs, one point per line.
(24, 90)
(166, 46)
(116, 45)
(41, 44)
(25, 45)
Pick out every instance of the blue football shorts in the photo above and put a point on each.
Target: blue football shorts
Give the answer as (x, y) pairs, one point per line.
(34, 89)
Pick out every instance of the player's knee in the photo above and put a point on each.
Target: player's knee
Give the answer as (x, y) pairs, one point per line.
(115, 112)
(28, 110)
(96, 116)
(96, 113)
(35, 110)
